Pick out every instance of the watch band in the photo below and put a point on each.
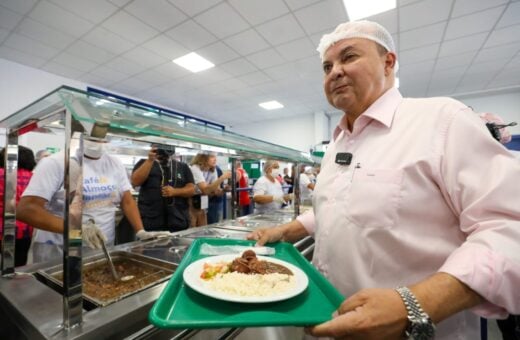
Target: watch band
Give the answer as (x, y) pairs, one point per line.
(420, 325)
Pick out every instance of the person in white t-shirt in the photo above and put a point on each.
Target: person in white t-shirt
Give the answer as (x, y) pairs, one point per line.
(105, 186)
(306, 185)
(267, 191)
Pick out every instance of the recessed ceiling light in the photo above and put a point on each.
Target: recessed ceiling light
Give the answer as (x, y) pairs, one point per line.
(361, 9)
(193, 62)
(272, 105)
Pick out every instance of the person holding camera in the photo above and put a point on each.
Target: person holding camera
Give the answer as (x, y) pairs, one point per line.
(165, 186)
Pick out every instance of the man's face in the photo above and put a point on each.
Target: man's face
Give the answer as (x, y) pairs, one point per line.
(355, 75)
(212, 161)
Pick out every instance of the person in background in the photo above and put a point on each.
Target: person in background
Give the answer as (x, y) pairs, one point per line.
(421, 231)
(42, 154)
(105, 185)
(200, 168)
(267, 191)
(26, 164)
(165, 185)
(306, 185)
(287, 179)
(244, 202)
(215, 199)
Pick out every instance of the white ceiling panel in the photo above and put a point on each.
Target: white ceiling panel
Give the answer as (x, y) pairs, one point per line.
(462, 45)
(192, 8)
(212, 21)
(281, 30)
(29, 46)
(153, 77)
(159, 14)
(417, 70)
(62, 70)
(107, 40)
(511, 16)
(60, 19)
(88, 51)
(494, 66)
(471, 83)
(423, 36)
(464, 7)
(75, 62)
(93, 10)
(125, 66)
(108, 73)
(453, 72)
(218, 53)
(504, 35)
(44, 34)
(253, 78)
(424, 13)
(463, 59)
(172, 71)
(266, 58)
(165, 47)
(257, 12)
(3, 34)
(191, 35)
(232, 84)
(297, 49)
(498, 52)
(418, 54)
(474, 23)
(238, 67)
(8, 18)
(407, 2)
(95, 80)
(247, 42)
(297, 4)
(388, 20)
(20, 57)
(19, 6)
(144, 57)
(129, 27)
(321, 16)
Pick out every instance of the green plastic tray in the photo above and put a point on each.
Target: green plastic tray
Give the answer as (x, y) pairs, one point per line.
(181, 307)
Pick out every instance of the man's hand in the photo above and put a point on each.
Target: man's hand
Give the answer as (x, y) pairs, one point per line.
(92, 235)
(146, 235)
(368, 314)
(266, 235)
(226, 175)
(168, 191)
(152, 154)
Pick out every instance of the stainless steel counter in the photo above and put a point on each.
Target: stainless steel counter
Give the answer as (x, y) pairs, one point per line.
(29, 309)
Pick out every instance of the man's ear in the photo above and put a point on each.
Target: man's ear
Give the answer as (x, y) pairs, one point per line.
(390, 62)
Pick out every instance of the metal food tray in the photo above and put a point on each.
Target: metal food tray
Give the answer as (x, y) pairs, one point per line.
(181, 307)
(215, 233)
(49, 274)
(170, 249)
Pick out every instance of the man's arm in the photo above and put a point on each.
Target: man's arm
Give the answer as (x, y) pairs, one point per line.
(207, 189)
(142, 170)
(31, 210)
(131, 212)
(381, 314)
(288, 232)
(186, 191)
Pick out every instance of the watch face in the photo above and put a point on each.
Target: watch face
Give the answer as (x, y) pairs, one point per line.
(422, 329)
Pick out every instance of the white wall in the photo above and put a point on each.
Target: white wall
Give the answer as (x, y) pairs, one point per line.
(21, 85)
(293, 132)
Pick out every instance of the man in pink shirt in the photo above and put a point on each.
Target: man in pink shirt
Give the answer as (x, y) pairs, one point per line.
(413, 193)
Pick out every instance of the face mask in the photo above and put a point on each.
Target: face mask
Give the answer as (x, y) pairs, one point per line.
(92, 149)
(275, 172)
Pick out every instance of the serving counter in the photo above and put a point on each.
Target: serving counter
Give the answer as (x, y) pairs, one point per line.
(31, 305)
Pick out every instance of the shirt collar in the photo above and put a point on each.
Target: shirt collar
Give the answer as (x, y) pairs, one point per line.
(382, 110)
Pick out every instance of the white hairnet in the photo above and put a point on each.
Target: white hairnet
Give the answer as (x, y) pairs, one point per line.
(358, 29)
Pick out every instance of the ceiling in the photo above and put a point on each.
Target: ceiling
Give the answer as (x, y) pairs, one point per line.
(263, 50)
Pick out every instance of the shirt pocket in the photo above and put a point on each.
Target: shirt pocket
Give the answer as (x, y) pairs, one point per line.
(374, 197)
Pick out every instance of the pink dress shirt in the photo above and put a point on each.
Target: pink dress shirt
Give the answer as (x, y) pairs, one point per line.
(428, 190)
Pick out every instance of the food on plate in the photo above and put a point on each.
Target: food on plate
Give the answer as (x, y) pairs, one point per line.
(248, 276)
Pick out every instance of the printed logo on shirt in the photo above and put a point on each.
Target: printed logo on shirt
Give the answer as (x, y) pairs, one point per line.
(98, 192)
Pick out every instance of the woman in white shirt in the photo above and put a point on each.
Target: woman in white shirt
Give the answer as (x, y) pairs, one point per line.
(267, 191)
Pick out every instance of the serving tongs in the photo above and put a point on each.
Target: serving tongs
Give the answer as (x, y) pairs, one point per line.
(109, 260)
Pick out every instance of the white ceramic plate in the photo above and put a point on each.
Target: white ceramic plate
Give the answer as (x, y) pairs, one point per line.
(191, 276)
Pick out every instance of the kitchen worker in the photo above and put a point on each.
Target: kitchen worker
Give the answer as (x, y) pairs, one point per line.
(244, 202)
(267, 192)
(165, 185)
(306, 185)
(105, 185)
(412, 194)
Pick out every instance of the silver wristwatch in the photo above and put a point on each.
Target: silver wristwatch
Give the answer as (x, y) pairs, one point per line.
(420, 326)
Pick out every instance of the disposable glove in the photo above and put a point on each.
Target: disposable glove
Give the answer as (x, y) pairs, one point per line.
(92, 235)
(146, 235)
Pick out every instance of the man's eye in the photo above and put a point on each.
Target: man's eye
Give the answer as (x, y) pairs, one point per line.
(327, 68)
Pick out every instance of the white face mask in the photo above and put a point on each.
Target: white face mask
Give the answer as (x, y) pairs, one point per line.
(275, 172)
(92, 149)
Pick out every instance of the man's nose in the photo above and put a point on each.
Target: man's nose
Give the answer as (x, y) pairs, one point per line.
(337, 71)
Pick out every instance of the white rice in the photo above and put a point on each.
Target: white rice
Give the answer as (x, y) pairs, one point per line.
(239, 284)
